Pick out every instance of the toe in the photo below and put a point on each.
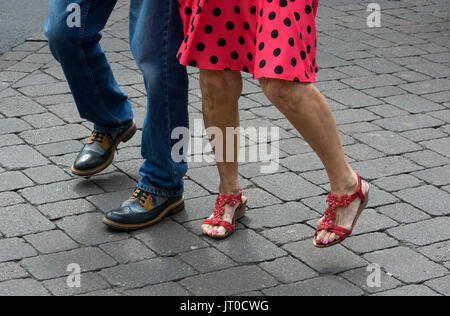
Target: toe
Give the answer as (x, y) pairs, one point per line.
(321, 235)
(326, 239)
(332, 237)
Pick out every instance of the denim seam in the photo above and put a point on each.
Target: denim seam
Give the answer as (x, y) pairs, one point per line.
(166, 77)
(86, 64)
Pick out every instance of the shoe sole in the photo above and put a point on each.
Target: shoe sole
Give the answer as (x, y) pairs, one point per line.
(355, 221)
(125, 137)
(170, 210)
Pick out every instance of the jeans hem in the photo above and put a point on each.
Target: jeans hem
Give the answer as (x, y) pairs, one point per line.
(109, 130)
(160, 192)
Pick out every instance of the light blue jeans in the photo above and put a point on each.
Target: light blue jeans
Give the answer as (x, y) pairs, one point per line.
(156, 33)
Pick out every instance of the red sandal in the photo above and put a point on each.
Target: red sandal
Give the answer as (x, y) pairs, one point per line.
(219, 210)
(334, 202)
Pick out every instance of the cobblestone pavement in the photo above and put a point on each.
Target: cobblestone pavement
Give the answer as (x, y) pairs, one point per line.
(389, 89)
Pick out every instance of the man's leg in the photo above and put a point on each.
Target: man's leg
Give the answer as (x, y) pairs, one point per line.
(96, 92)
(156, 34)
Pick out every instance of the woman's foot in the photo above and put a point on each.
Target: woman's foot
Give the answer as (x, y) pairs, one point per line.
(228, 209)
(344, 216)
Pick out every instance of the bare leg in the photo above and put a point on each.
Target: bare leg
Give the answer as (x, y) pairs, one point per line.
(308, 111)
(221, 91)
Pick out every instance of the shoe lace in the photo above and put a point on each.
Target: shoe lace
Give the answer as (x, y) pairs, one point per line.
(140, 195)
(221, 201)
(98, 137)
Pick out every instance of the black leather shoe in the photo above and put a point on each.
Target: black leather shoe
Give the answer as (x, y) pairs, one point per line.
(99, 151)
(141, 210)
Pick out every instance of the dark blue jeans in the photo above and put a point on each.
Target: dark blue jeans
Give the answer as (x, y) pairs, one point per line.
(155, 36)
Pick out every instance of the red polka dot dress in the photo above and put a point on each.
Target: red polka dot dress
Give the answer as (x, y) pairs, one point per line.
(268, 38)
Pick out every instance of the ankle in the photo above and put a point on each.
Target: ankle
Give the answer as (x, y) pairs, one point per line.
(229, 188)
(348, 184)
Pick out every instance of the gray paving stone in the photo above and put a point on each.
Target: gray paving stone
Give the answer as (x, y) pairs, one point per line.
(22, 287)
(384, 91)
(437, 252)
(55, 134)
(278, 215)
(321, 286)
(15, 249)
(396, 183)
(388, 142)
(88, 229)
(409, 290)
(19, 157)
(52, 241)
(149, 272)
(246, 246)
(43, 120)
(287, 234)
(126, 251)
(198, 208)
(169, 238)
(352, 98)
(10, 198)
(330, 260)
(164, 289)
(89, 282)
(423, 233)
(359, 277)
(362, 152)
(234, 281)
(67, 112)
(370, 242)
(66, 208)
(44, 89)
(372, 81)
(408, 122)
(11, 270)
(288, 270)
(292, 146)
(302, 162)
(295, 186)
(358, 127)
(413, 103)
(420, 198)
(403, 213)
(207, 260)
(46, 174)
(428, 159)
(52, 266)
(379, 197)
(102, 293)
(387, 110)
(441, 285)
(10, 139)
(441, 146)
(20, 106)
(22, 219)
(12, 125)
(382, 167)
(110, 201)
(425, 87)
(111, 181)
(437, 176)
(406, 265)
(61, 148)
(60, 191)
